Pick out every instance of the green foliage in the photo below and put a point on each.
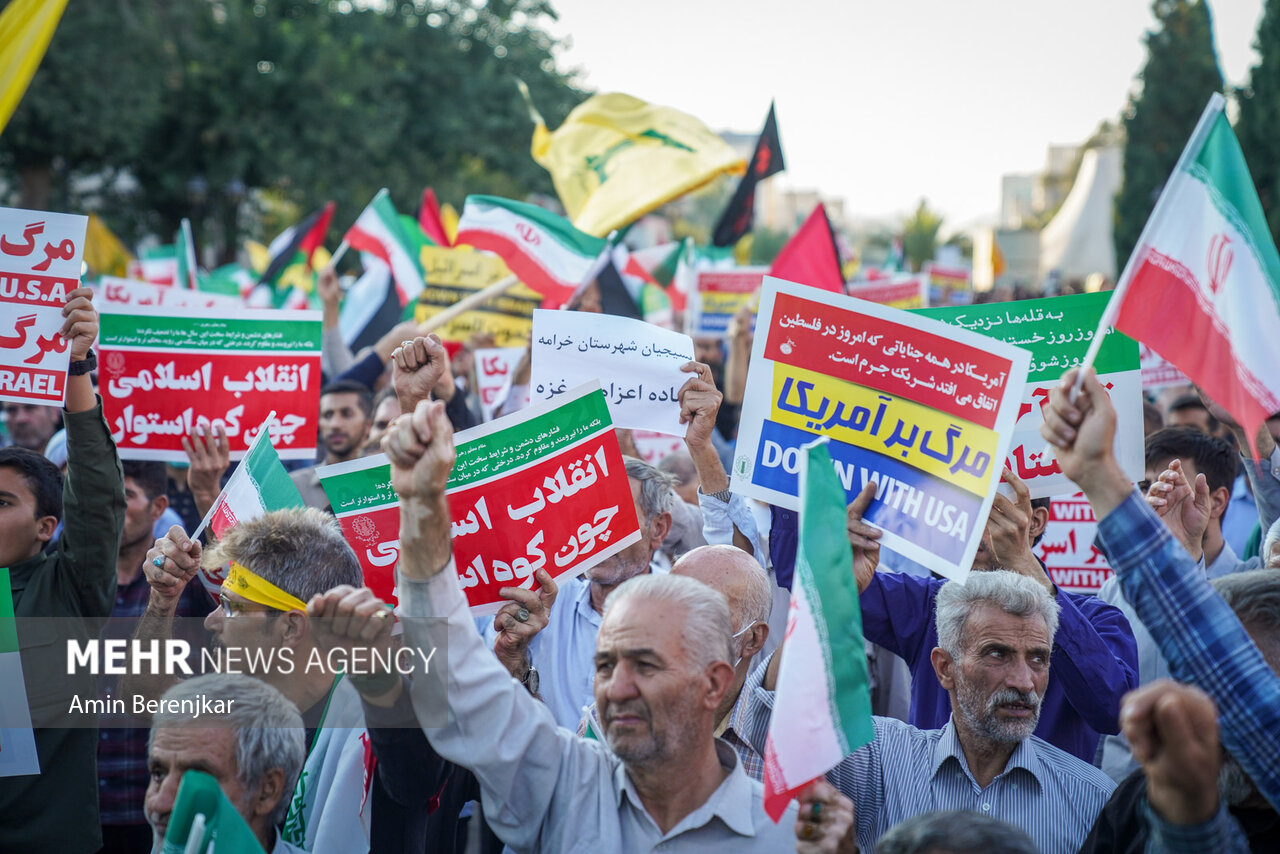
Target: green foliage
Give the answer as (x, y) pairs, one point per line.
(920, 235)
(766, 243)
(1180, 75)
(284, 104)
(1259, 124)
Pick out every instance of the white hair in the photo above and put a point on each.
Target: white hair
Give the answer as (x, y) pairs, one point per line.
(707, 627)
(267, 727)
(1012, 593)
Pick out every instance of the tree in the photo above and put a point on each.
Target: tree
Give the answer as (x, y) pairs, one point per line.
(296, 102)
(1180, 75)
(1258, 127)
(920, 235)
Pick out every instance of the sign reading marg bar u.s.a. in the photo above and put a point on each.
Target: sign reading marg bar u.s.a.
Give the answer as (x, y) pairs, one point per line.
(543, 488)
(163, 373)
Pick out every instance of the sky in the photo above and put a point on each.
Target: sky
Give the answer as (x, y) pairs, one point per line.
(883, 102)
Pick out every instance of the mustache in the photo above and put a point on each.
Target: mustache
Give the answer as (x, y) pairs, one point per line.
(1013, 697)
(633, 708)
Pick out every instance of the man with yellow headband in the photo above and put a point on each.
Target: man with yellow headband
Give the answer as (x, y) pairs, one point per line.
(277, 562)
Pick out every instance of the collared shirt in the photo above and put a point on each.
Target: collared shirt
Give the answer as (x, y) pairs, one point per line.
(543, 788)
(1094, 661)
(564, 653)
(906, 771)
(1199, 636)
(1241, 515)
(1220, 834)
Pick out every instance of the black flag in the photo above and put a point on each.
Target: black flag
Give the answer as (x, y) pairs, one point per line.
(766, 160)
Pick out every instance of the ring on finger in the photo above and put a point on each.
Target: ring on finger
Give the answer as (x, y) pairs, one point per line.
(808, 830)
(522, 616)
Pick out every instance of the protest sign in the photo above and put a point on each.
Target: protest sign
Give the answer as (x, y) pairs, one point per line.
(1074, 563)
(897, 291)
(453, 274)
(948, 285)
(17, 739)
(1056, 331)
(494, 370)
(637, 364)
(131, 292)
(1157, 373)
(720, 294)
(39, 265)
(164, 372)
(545, 487)
(655, 447)
(924, 409)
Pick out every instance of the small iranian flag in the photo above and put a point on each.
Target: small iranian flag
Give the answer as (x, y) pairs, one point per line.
(259, 485)
(543, 250)
(188, 274)
(1202, 287)
(822, 705)
(379, 232)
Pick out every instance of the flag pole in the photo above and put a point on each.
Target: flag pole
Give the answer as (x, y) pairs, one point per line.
(1215, 106)
(338, 253)
(262, 431)
(467, 303)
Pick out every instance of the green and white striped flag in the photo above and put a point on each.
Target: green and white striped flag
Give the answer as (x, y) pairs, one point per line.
(379, 232)
(258, 486)
(822, 705)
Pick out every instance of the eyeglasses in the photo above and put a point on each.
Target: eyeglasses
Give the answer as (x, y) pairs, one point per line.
(739, 633)
(231, 609)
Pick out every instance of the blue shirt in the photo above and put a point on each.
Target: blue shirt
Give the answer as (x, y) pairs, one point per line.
(906, 771)
(1199, 636)
(1094, 661)
(564, 653)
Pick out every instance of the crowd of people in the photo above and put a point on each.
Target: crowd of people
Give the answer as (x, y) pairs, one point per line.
(627, 709)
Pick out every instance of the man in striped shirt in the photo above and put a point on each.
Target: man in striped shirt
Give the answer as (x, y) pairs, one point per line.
(995, 637)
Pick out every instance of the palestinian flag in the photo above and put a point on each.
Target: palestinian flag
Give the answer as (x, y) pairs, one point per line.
(380, 232)
(543, 250)
(259, 485)
(822, 702)
(811, 256)
(1202, 287)
(766, 160)
(659, 264)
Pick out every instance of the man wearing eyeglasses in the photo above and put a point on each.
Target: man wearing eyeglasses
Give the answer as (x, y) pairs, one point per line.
(276, 563)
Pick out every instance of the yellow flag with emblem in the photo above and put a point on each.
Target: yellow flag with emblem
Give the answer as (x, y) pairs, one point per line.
(616, 158)
(25, 29)
(103, 252)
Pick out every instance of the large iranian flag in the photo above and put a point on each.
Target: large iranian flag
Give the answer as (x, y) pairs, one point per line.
(822, 702)
(379, 232)
(543, 250)
(1202, 287)
(258, 486)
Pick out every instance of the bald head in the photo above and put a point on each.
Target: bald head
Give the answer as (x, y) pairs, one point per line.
(736, 575)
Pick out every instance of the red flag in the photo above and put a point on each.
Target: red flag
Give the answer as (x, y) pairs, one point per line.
(810, 256)
(313, 239)
(429, 219)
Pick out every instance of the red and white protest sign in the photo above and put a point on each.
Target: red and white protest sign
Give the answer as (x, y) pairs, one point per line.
(132, 292)
(494, 369)
(1157, 373)
(164, 372)
(542, 488)
(39, 265)
(1073, 561)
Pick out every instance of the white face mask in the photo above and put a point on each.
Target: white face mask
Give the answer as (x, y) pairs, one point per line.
(739, 633)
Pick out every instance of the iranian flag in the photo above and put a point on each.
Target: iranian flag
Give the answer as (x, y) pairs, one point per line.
(1202, 287)
(543, 250)
(822, 702)
(379, 232)
(259, 485)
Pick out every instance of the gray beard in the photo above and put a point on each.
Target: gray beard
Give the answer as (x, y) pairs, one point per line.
(985, 724)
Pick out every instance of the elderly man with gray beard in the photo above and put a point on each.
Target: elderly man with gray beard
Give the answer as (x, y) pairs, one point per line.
(995, 637)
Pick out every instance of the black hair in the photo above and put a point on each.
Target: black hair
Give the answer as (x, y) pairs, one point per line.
(41, 476)
(1192, 400)
(364, 397)
(1214, 458)
(149, 475)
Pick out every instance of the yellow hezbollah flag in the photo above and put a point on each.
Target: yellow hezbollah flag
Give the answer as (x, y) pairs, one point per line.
(25, 29)
(103, 251)
(616, 158)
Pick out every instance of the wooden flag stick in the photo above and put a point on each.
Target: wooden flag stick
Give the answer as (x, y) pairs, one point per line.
(466, 304)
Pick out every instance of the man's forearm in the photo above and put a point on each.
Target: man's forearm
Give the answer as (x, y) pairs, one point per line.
(1105, 486)
(156, 624)
(424, 537)
(711, 474)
